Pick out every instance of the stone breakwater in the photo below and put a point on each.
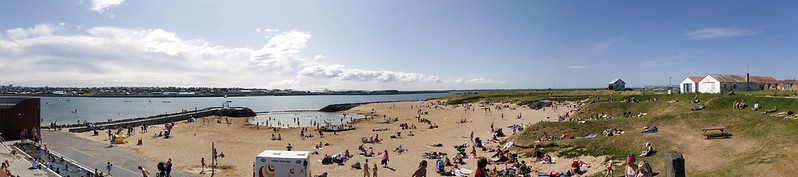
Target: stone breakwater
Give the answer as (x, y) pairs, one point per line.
(164, 118)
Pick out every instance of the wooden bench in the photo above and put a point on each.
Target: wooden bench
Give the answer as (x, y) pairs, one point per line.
(717, 131)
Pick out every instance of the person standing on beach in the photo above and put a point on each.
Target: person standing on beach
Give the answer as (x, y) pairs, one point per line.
(374, 171)
(366, 168)
(385, 159)
(289, 147)
(109, 167)
(422, 169)
(472, 136)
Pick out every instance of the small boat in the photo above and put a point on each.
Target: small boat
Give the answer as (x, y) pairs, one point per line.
(128, 101)
(166, 101)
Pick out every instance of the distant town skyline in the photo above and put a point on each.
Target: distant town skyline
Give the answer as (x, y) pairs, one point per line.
(387, 45)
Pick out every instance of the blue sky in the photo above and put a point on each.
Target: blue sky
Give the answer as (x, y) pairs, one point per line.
(407, 45)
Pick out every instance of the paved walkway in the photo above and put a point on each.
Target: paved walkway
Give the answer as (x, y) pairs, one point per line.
(18, 164)
(95, 155)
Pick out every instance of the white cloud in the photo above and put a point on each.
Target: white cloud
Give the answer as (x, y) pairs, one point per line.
(318, 57)
(578, 67)
(481, 81)
(603, 46)
(36, 31)
(338, 72)
(281, 51)
(104, 5)
(710, 33)
(109, 56)
(268, 30)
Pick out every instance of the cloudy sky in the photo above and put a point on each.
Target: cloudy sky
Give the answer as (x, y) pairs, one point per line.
(406, 45)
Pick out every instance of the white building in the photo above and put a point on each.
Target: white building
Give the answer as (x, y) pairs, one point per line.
(690, 84)
(719, 83)
(617, 85)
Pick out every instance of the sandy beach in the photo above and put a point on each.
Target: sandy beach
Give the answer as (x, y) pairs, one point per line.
(241, 141)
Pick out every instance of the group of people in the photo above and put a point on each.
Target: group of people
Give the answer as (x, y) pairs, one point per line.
(739, 105)
(4, 171)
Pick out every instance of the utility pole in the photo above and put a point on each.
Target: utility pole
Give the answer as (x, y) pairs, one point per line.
(213, 158)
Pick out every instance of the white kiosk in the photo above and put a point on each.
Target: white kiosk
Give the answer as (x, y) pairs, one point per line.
(271, 163)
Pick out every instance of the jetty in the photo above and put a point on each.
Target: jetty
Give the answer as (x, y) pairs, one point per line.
(161, 119)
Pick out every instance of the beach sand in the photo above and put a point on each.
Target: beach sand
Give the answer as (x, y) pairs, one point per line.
(241, 141)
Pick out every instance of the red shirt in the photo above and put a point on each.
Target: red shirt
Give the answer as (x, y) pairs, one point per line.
(480, 173)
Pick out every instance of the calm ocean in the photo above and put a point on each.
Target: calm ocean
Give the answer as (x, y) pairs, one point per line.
(68, 110)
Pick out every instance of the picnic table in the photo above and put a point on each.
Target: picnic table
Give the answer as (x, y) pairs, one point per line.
(717, 131)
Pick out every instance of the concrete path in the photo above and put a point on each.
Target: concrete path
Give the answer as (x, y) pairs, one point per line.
(92, 155)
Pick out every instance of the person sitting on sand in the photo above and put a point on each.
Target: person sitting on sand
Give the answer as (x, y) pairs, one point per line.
(273, 137)
(547, 160)
(410, 133)
(399, 149)
(648, 151)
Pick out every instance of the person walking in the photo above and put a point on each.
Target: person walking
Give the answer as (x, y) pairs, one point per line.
(609, 167)
(385, 159)
(108, 167)
(169, 168)
(144, 172)
(203, 165)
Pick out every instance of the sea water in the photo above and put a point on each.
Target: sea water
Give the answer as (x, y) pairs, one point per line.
(69, 110)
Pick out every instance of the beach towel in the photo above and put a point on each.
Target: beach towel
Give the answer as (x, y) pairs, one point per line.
(463, 172)
(651, 131)
(591, 136)
(507, 145)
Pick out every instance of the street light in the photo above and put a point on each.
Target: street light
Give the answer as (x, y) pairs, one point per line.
(669, 85)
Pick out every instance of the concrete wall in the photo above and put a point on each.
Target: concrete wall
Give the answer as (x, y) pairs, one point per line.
(230, 112)
(23, 115)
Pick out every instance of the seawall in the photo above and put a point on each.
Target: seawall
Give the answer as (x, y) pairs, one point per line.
(166, 118)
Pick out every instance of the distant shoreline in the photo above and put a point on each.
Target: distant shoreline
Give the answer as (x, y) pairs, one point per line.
(229, 95)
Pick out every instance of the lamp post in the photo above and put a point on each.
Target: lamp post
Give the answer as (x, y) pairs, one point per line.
(669, 85)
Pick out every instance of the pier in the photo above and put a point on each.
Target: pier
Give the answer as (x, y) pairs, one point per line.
(161, 119)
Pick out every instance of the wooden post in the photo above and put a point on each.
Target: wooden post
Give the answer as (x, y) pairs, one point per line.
(213, 158)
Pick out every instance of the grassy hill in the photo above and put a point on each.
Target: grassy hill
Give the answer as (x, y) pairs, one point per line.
(759, 145)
